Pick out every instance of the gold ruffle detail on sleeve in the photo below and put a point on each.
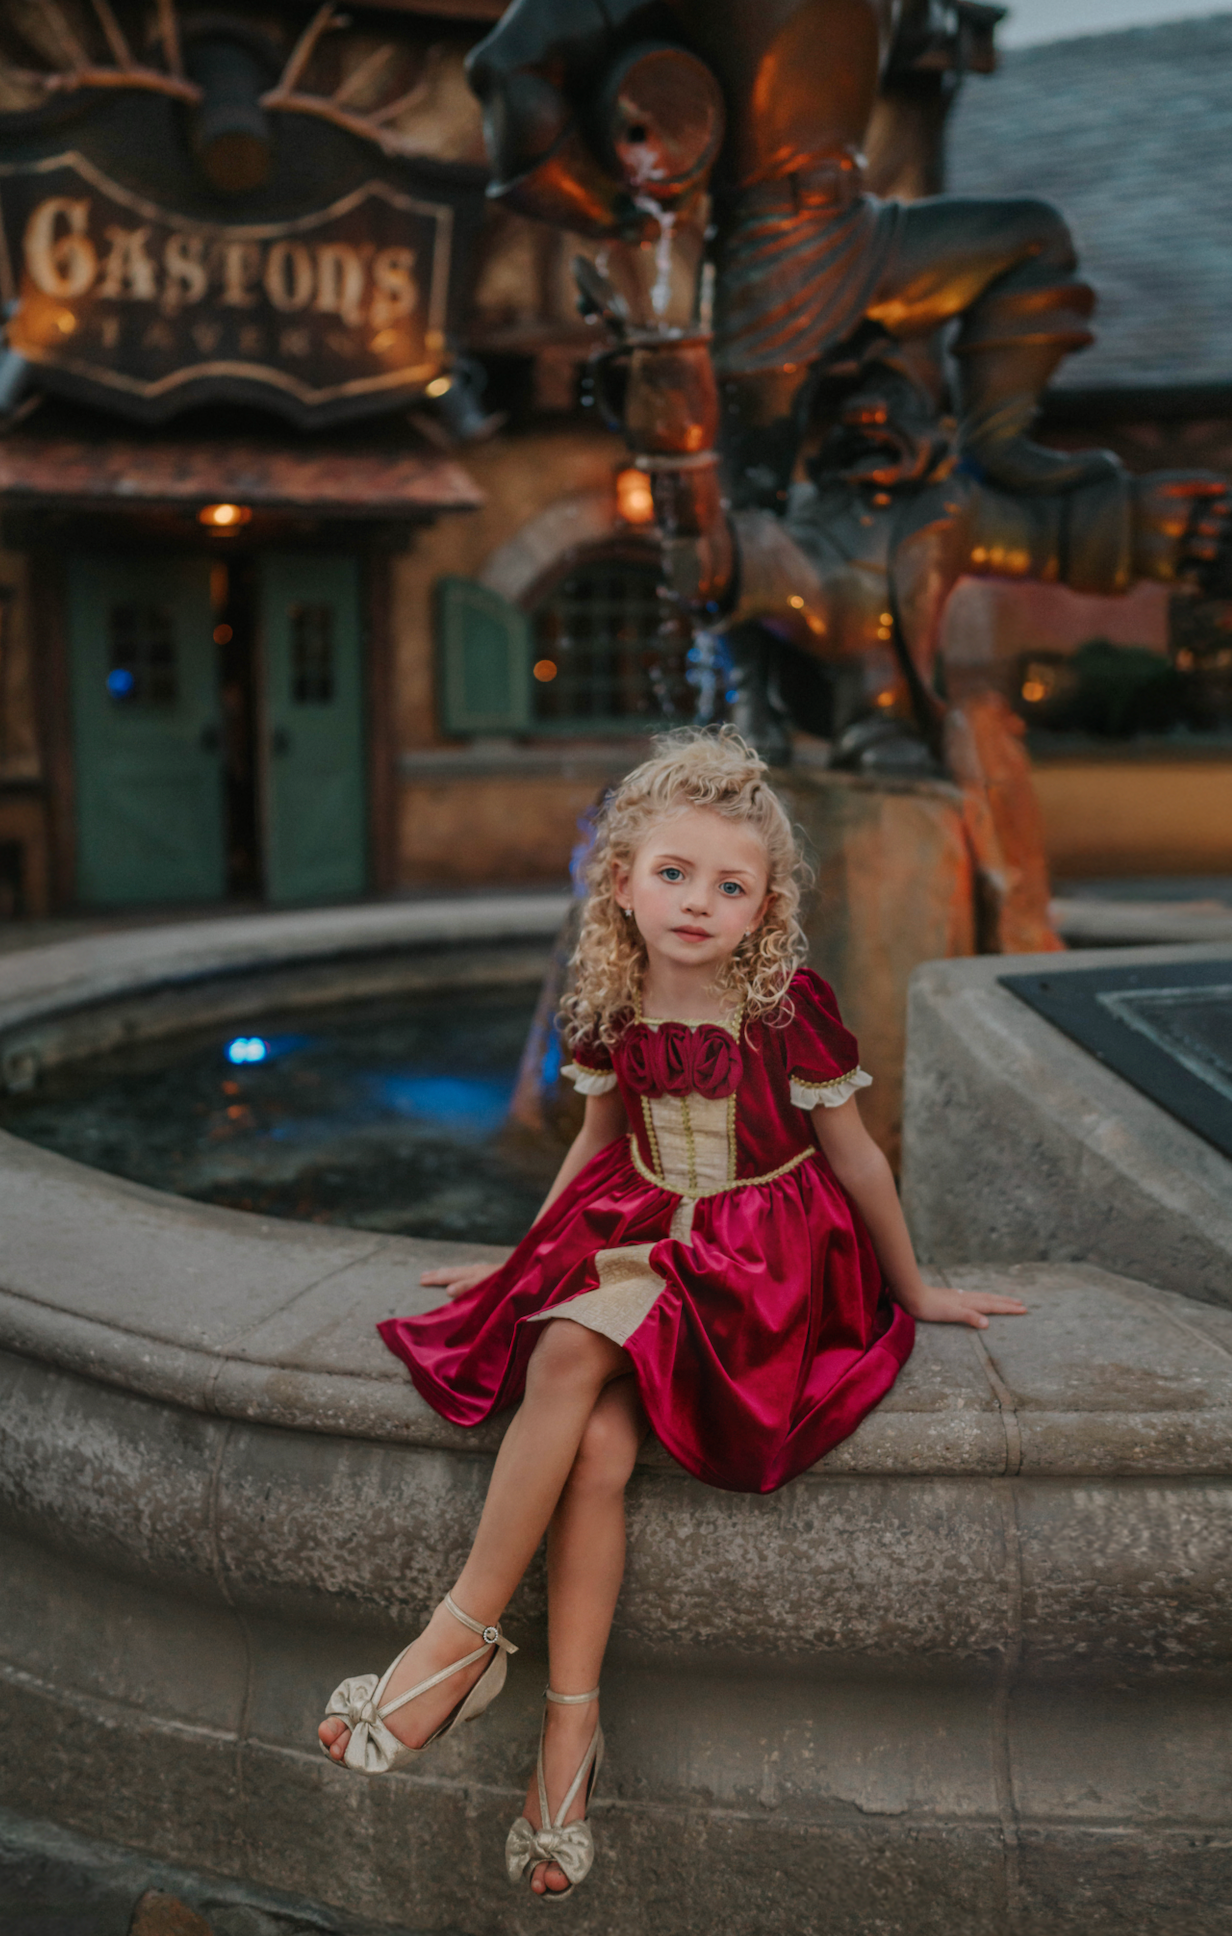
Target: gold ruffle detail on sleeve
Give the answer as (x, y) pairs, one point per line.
(832, 1094)
(590, 1082)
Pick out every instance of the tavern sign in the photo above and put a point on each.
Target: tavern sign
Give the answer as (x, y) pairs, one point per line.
(113, 292)
(213, 229)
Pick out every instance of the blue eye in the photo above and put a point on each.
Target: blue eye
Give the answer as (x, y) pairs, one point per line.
(672, 874)
(730, 888)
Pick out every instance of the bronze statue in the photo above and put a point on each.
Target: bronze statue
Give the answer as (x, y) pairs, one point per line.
(805, 257)
(614, 117)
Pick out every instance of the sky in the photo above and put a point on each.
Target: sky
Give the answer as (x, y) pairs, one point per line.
(1031, 21)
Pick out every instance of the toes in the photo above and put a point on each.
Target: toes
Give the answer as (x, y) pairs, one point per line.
(335, 1735)
(548, 1878)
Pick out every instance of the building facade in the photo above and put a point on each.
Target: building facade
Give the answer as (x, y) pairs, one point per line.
(256, 309)
(319, 576)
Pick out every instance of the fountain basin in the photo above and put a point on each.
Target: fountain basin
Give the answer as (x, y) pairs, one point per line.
(1018, 1143)
(967, 1673)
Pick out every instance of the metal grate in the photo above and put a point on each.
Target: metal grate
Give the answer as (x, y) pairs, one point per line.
(607, 651)
(312, 654)
(1166, 1028)
(141, 668)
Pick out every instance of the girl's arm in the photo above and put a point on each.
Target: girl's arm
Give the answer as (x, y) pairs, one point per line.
(604, 1121)
(868, 1180)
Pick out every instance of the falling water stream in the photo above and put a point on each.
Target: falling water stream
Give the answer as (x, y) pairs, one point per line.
(661, 291)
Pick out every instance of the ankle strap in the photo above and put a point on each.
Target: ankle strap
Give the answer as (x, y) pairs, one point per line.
(570, 1700)
(492, 1635)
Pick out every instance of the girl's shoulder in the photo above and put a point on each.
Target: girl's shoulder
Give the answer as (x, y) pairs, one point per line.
(808, 1032)
(589, 1064)
(590, 1052)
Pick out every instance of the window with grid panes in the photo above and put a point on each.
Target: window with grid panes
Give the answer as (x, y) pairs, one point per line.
(141, 668)
(312, 654)
(608, 652)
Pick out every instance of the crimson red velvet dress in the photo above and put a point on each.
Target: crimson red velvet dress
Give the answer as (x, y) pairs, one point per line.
(713, 1243)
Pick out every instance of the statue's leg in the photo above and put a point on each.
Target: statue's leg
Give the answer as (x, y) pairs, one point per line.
(1007, 267)
(759, 435)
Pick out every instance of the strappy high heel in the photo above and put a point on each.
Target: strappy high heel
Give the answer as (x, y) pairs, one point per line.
(570, 1845)
(372, 1749)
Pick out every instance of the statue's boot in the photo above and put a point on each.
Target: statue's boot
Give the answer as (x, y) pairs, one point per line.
(1011, 341)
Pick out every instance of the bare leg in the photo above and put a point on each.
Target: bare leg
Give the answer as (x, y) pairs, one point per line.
(586, 1560)
(566, 1374)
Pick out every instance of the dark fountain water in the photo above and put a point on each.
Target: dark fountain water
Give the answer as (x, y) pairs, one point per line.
(384, 1115)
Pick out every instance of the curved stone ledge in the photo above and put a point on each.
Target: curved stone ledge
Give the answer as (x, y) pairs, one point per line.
(893, 1548)
(1017, 1143)
(986, 1642)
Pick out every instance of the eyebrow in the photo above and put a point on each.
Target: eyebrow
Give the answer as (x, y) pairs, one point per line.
(681, 860)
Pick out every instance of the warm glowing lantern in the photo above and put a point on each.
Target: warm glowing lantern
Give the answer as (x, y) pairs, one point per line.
(633, 498)
(224, 517)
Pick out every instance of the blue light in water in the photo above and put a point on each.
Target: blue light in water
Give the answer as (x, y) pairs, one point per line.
(120, 682)
(247, 1048)
(464, 1106)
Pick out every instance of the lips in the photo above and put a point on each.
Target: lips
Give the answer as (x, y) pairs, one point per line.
(692, 934)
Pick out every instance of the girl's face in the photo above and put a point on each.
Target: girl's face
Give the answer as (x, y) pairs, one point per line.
(697, 885)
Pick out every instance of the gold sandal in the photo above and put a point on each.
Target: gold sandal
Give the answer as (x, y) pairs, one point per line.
(570, 1845)
(372, 1749)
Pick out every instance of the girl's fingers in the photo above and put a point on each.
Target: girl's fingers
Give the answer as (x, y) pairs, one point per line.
(455, 1274)
(975, 1310)
(943, 1306)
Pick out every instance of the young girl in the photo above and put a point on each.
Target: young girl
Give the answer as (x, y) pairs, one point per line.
(722, 1259)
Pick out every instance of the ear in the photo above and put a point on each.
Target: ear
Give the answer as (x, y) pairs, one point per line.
(621, 877)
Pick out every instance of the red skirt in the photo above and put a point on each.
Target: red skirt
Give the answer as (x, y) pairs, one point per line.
(758, 1342)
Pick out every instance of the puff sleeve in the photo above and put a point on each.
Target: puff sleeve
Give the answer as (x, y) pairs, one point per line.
(823, 1057)
(590, 1071)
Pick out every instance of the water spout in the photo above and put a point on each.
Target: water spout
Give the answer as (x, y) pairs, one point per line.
(661, 292)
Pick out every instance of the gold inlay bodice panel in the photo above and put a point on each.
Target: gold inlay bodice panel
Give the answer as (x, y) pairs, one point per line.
(693, 1140)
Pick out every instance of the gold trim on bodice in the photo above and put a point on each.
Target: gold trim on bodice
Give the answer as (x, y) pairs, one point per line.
(718, 1189)
(733, 1023)
(692, 1139)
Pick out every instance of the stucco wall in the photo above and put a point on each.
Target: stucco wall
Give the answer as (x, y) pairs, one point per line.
(459, 828)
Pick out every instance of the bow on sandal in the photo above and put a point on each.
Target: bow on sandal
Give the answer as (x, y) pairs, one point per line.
(372, 1749)
(571, 1846)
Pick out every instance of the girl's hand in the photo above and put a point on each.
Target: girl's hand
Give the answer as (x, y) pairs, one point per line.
(458, 1277)
(936, 1304)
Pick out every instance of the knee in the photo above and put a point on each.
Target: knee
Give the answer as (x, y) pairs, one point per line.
(607, 1453)
(568, 1354)
(1038, 231)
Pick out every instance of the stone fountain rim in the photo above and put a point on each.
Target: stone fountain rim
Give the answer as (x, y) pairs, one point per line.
(279, 1327)
(37, 985)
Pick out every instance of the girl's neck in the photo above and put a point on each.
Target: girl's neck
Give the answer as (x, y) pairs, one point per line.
(672, 993)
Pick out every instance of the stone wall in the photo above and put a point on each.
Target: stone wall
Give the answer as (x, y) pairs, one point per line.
(1019, 1144)
(968, 1674)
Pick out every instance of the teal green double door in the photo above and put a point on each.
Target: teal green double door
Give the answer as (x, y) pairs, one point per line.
(151, 742)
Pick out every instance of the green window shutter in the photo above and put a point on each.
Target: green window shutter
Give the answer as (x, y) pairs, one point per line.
(484, 659)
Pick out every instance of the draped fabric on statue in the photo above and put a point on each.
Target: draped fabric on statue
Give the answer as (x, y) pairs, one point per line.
(713, 1243)
(797, 273)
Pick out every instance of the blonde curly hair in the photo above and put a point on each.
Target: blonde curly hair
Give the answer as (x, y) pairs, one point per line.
(691, 767)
